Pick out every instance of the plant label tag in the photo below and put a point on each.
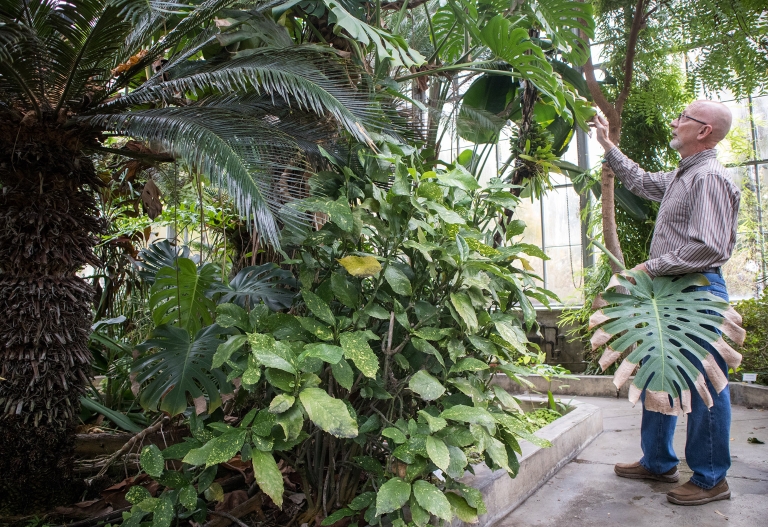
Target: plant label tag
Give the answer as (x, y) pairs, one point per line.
(749, 377)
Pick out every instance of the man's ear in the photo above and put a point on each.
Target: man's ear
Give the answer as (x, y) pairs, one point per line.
(706, 132)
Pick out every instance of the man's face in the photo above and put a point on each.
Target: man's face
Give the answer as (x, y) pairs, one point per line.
(685, 128)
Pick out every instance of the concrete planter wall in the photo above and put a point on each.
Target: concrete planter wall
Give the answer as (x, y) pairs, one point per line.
(742, 394)
(568, 435)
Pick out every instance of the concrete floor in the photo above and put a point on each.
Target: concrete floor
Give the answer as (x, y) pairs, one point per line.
(586, 492)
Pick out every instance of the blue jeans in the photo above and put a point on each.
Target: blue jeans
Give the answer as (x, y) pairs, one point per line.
(707, 444)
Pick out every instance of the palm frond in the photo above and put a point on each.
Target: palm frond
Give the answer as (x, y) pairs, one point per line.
(307, 75)
(246, 156)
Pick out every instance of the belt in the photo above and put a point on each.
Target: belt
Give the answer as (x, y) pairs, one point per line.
(716, 270)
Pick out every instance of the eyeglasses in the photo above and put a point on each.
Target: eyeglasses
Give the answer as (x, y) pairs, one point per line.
(682, 114)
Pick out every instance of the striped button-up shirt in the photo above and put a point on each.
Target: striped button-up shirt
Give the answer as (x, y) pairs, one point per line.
(696, 225)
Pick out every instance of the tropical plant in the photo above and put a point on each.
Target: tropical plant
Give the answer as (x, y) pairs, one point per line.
(244, 115)
(381, 373)
(755, 350)
(661, 317)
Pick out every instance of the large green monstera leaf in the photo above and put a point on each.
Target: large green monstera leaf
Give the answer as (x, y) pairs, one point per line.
(660, 319)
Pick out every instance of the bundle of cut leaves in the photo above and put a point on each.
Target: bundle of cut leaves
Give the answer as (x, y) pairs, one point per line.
(661, 317)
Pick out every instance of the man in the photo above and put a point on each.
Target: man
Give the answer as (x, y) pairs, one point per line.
(695, 233)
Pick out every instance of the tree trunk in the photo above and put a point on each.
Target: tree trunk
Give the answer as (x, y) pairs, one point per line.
(608, 201)
(48, 217)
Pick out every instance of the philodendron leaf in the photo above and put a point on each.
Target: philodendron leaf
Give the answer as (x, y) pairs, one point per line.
(392, 496)
(361, 266)
(328, 413)
(432, 500)
(180, 368)
(268, 476)
(426, 386)
(178, 296)
(660, 318)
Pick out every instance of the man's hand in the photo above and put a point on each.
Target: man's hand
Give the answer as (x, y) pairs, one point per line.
(641, 267)
(600, 124)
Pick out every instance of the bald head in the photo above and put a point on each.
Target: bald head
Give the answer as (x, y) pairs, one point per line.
(715, 114)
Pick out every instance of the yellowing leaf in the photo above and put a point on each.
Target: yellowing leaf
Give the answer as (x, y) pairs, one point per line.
(360, 266)
(526, 264)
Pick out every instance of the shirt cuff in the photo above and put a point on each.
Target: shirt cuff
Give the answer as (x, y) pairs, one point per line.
(652, 267)
(612, 155)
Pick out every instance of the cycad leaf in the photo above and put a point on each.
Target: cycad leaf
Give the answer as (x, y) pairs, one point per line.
(661, 320)
(178, 296)
(180, 369)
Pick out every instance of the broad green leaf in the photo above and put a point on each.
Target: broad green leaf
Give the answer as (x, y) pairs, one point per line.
(214, 492)
(281, 403)
(392, 496)
(462, 509)
(362, 501)
(346, 292)
(137, 494)
(152, 461)
(291, 421)
(498, 453)
(465, 309)
(179, 297)
(226, 349)
(506, 399)
(430, 333)
(419, 515)
(316, 328)
(459, 177)
(338, 211)
(458, 462)
(179, 368)
(469, 364)
(338, 515)
(268, 476)
(394, 434)
(376, 311)
(162, 515)
(360, 266)
(425, 347)
(356, 349)
(272, 353)
(397, 280)
(438, 452)
(514, 335)
(251, 376)
(328, 413)
(426, 386)
(188, 497)
(327, 352)
(469, 414)
(518, 428)
(318, 307)
(343, 374)
(228, 315)
(432, 500)
(224, 447)
(435, 423)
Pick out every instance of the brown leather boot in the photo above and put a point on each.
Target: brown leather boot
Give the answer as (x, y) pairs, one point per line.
(637, 471)
(690, 494)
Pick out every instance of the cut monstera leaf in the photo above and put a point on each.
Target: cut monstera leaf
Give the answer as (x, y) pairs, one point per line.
(661, 319)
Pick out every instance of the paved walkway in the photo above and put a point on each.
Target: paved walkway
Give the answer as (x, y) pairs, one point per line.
(586, 492)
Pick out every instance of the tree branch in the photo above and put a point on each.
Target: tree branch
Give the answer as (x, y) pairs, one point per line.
(638, 21)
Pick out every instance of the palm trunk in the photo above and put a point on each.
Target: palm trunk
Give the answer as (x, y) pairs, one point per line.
(48, 218)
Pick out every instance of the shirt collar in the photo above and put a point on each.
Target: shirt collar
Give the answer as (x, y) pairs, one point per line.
(695, 159)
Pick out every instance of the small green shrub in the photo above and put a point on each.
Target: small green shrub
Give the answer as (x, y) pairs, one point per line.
(755, 350)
